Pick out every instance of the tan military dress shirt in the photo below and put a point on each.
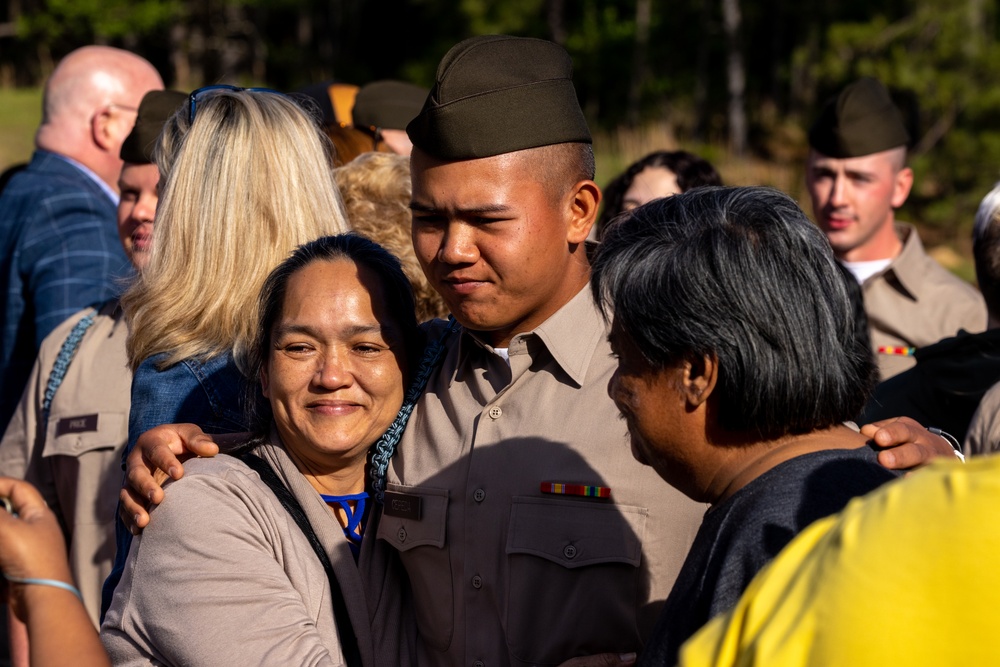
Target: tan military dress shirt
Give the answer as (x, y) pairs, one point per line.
(917, 302)
(983, 436)
(502, 572)
(75, 458)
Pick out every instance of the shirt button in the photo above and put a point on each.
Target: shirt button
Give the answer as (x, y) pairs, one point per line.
(479, 495)
(477, 581)
(401, 534)
(495, 412)
(569, 551)
(479, 663)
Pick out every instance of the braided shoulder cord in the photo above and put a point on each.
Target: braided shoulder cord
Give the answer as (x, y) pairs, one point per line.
(66, 354)
(385, 448)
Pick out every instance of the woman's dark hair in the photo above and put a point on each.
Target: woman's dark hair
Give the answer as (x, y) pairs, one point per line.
(365, 253)
(740, 274)
(691, 171)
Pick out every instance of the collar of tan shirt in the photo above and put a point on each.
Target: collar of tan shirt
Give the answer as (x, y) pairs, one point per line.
(571, 335)
(907, 268)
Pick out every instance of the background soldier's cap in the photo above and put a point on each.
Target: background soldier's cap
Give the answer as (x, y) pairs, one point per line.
(498, 94)
(156, 108)
(861, 120)
(388, 104)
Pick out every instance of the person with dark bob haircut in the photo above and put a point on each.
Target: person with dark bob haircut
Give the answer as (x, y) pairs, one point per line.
(264, 545)
(659, 174)
(738, 365)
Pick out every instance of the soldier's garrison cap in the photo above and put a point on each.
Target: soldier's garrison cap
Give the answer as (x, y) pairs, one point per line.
(156, 108)
(497, 94)
(861, 120)
(388, 104)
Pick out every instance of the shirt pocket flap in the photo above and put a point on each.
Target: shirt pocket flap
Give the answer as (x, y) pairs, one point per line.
(73, 435)
(427, 528)
(576, 533)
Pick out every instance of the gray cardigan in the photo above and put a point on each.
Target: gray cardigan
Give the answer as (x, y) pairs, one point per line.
(223, 576)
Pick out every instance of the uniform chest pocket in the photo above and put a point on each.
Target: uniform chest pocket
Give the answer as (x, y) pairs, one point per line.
(575, 578)
(414, 522)
(76, 434)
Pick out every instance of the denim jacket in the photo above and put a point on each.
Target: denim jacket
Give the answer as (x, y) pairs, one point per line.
(207, 393)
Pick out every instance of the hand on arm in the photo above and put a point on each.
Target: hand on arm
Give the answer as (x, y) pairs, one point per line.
(209, 560)
(157, 456)
(905, 443)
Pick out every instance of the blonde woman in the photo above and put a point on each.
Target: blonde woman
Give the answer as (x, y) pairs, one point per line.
(376, 192)
(247, 177)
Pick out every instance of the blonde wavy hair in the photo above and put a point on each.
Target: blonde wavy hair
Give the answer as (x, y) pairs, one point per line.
(376, 192)
(242, 186)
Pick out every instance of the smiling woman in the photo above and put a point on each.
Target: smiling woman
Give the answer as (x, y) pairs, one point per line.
(337, 334)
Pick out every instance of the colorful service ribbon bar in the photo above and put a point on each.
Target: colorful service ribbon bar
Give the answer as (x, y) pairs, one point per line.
(897, 351)
(576, 490)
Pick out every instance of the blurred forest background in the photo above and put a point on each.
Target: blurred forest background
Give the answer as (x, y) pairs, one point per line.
(737, 81)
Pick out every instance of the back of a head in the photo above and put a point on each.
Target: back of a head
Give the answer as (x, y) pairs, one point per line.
(248, 181)
(88, 78)
(741, 274)
(376, 192)
(986, 250)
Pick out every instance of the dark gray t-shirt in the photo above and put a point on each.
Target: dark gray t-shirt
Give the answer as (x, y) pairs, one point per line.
(741, 535)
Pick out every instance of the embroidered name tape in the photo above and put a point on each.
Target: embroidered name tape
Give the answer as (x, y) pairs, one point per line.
(81, 424)
(401, 505)
(560, 489)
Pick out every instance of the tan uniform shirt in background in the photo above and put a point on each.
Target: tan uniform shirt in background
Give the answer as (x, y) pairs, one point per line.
(917, 302)
(502, 573)
(75, 458)
(983, 436)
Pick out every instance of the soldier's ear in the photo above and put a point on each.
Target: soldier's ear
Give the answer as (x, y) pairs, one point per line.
(585, 201)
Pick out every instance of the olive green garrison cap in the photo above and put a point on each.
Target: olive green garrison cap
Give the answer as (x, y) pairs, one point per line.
(861, 120)
(388, 104)
(498, 94)
(156, 108)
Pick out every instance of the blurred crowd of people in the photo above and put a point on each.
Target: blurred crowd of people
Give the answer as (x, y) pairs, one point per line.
(381, 376)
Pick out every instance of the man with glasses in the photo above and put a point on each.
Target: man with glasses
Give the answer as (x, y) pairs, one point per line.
(59, 248)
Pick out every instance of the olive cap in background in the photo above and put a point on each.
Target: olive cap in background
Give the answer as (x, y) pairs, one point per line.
(388, 105)
(498, 94)
(861, 120)
(156, 108)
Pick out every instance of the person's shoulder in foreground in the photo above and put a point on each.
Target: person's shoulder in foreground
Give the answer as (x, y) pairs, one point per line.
(905, 575)
(220, 525)
(750, 528)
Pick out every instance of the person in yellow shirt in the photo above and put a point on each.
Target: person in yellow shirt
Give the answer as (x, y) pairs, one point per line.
(906, 575)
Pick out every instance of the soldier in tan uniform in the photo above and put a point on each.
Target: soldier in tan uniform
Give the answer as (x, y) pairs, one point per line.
(857, 177)
(67, 433)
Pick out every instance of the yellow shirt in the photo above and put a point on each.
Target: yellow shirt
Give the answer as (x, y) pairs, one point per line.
(907, 575)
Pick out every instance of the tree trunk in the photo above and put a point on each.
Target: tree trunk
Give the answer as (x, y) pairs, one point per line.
(736, 77)
(643, 10)
(702, 73)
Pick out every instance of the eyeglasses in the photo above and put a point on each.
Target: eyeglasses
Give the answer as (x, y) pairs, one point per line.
(208, 90)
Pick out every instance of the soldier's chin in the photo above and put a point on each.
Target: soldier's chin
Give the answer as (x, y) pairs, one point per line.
(637, 453)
